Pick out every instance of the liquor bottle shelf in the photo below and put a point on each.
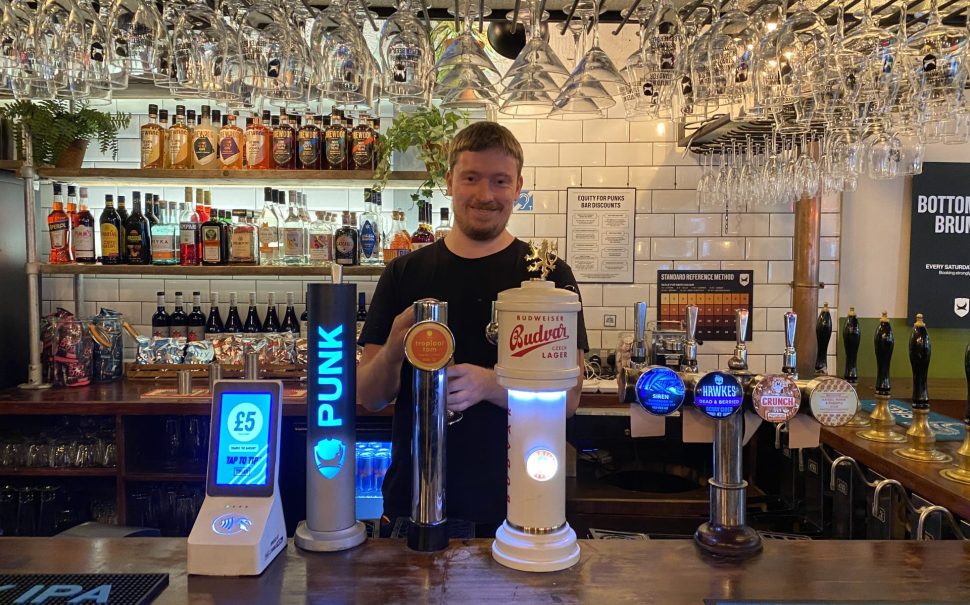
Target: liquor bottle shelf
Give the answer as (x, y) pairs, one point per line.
(57, 472)
(308, 271)
(304, 179)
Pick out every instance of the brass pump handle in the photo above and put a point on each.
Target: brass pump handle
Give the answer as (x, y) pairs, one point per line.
(851, 337)
(919, 359)
(823, 334)
(883, 343)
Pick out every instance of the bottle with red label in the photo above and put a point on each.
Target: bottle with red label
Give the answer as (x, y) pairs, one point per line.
(424, 236)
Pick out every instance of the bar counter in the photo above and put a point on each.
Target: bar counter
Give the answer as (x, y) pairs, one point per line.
(610, 571)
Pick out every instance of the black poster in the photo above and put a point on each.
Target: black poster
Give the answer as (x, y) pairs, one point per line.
(717, 294)
(939, 246)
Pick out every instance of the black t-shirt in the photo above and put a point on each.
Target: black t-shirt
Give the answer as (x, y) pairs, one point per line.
(477, 445)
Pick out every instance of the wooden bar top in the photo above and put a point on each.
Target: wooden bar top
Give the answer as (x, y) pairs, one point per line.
(609, 571)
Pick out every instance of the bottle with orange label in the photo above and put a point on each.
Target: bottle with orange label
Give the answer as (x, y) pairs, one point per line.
(59, 227)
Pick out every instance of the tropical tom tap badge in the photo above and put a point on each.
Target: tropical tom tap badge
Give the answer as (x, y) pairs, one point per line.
(429, 345)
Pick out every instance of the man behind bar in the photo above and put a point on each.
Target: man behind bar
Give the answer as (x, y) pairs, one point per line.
(467, 269)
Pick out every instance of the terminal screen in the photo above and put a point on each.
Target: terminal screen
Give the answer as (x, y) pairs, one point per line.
(244, 439)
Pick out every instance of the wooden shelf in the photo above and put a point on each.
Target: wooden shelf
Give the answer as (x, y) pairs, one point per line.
(96, 269)
(13, 165)
(328, 179)
(58, 472)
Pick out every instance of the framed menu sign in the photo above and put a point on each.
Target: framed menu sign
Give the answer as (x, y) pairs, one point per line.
(939, 246)
(717, 294)
(599, 234)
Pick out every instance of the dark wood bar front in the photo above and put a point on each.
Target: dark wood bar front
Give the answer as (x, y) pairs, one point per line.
(663, 572)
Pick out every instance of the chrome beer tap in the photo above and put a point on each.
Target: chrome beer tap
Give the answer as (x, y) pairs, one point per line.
(688, 361)
(739, 362)
(789, 359)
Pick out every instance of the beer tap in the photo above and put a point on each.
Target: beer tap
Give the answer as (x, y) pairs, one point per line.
(789, 360)
(739, 361)
(628, 376)
(881, 419)
(823, 334)
(921, 437)
(961, 473)
(688, 361)
(429, 346)
(851, 337)
(491, 328)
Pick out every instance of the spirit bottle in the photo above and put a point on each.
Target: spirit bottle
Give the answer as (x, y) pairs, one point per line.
(206, 205)
(153, 139)
(308, 145)
(213, 325)
(190, 240)
(83, 234)
(243, 243)
(196, 323)
(272, 321)
(163, 124)
(398, 240)
(111, 233)
(294, 236)
(230, 144)
(164, 238)
(152, 211)
(205, 143)
(233, 322)
(321, 240)
(335, 142)
(161, 323)
(423, 236)
(178, 321)
(138, 239)
(284, 143)
(122, 209)
(257, 145)
(178, 141)
(252, 325)
(269, 230)
(215, 248)
(444, 227)
(59, 227)
(361, 312)
(346, 241)
(371, 245)
(362, 147)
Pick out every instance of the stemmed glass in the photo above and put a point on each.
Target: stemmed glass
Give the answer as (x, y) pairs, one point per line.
(344, 65)
(940, 69)
(406, 58)
(594, 82)
(465, 70)
(536, 74)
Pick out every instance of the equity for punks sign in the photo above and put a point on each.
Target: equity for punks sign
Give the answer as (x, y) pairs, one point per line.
(939, 248)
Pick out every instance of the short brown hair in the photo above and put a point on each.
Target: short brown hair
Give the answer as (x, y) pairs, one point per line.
(481, 136)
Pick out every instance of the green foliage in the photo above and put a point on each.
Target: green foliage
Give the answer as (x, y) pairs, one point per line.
(428, 130)
(53, 127)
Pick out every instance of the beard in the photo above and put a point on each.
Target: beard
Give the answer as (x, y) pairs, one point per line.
(480, 231)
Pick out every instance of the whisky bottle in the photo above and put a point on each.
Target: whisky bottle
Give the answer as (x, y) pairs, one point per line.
(362, 147)
(284, 139)
(178, 141)
(205, 142)
(111, 229)
(257, 148)
(163, 125)
(230, 144)
(308, 145)
(335, 142)
(153, 139)
(346, 241)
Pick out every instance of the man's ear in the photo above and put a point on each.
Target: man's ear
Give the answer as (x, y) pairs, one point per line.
(448, 182)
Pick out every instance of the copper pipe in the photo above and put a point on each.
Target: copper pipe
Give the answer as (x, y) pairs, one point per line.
(808, 218)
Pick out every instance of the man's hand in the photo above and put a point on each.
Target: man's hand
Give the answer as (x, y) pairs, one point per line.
(379, 371)
(399, 329)
(468, 384)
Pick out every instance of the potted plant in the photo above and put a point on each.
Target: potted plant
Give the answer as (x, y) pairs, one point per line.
(60, 135)
(429, 131)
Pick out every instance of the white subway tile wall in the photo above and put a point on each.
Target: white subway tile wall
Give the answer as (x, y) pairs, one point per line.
(670, 232)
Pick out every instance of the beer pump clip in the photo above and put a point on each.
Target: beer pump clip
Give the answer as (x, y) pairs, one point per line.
(240, 528)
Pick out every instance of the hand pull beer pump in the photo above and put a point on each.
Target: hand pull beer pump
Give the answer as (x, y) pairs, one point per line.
(961, 473)
(881, 420)
(851, 338)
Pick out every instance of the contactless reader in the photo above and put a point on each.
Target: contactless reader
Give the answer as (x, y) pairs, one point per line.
(240, 528)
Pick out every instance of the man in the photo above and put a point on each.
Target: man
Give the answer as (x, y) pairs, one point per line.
(468, 268)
